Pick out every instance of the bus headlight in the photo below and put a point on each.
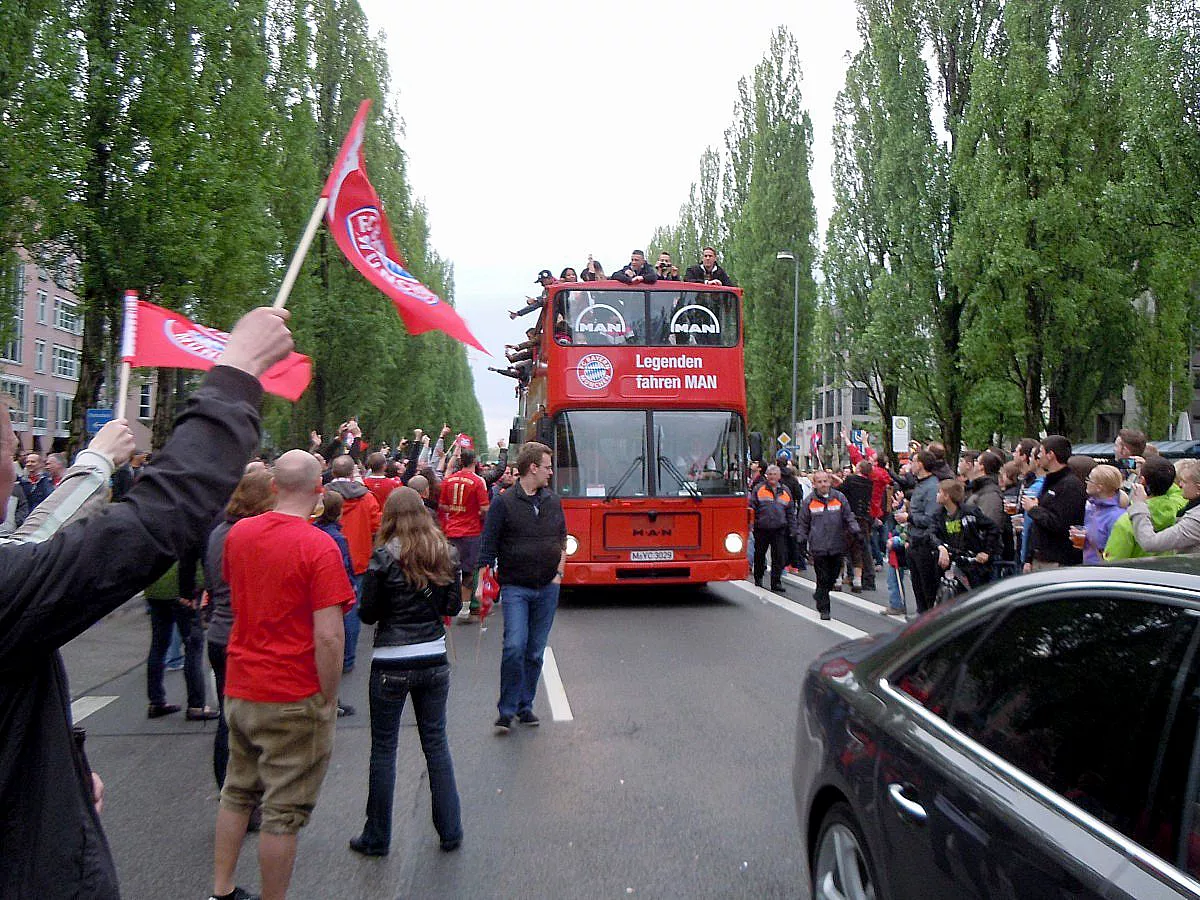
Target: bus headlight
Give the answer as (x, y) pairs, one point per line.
(572, 545)
(733, 543)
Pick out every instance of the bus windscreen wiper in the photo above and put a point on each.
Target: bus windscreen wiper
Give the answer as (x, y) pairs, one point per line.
(612, 492)
(671, 467)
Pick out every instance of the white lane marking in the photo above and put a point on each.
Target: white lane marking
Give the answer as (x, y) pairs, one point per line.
(858, 602)
(85, 706)
(560, 707)
(797, 609)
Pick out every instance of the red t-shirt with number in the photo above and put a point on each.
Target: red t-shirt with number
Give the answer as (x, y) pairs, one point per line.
(280, 571)
(462, 497)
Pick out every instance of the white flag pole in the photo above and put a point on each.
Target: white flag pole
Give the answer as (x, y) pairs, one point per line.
(128, 350)
(289, 280)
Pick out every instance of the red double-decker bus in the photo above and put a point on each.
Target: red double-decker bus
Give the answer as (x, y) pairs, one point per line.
(641, 392)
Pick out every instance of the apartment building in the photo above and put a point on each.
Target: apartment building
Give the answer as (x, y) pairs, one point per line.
(39, 365)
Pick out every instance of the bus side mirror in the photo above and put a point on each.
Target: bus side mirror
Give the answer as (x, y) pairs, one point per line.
(545, 431)
(516, 437)
(756, 445)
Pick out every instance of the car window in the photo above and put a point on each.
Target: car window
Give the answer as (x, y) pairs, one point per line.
(1093, 698)
(929, 679)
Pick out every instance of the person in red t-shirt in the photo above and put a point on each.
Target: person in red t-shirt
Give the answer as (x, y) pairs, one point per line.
(288, 587)
(462, 507)
(376, 481)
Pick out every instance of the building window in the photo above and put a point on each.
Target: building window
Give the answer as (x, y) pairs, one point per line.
(144, 410)
(39, 411)
(838, 409)
(63, 408)
(18, 391)
(14, 350)
(66, 316)
(861, 402)
(39, 356)
(41, 307)
(66, 362)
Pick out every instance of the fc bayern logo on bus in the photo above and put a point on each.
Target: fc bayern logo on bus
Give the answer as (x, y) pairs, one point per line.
(595, 371)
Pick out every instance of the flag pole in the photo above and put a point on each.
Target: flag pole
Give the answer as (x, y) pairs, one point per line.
(128, 348)
(293, 271)
(122, 389)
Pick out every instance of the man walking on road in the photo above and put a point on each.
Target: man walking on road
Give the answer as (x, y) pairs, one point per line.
(288, 586)
(462, 507)
(526, 536)
(829, 526)
(774, 509)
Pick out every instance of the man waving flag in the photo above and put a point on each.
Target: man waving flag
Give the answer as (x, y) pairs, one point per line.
(361, 229)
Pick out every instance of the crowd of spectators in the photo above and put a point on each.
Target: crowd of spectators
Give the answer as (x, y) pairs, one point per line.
(1001, 512)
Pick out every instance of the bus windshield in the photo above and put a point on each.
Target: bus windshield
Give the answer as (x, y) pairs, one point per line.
(699, 453)
(604, 453)
(647, 318)
(600, 453)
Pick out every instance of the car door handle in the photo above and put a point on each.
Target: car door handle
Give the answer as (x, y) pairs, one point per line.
(910, 808)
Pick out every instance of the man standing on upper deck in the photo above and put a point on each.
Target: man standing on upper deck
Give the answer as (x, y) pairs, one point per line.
(637, 272)
(708, 272)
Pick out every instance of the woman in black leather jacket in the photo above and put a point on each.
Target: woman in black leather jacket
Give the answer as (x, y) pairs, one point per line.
(409, 586)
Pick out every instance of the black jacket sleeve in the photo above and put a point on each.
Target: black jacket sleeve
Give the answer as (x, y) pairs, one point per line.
(53, 591)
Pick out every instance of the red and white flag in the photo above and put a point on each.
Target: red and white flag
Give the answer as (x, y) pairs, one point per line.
(154, 336)
(361, 229)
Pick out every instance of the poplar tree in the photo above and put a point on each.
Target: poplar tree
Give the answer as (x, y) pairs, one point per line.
(769, 162)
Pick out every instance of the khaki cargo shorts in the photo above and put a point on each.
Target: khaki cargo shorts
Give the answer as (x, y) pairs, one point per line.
(278, 754)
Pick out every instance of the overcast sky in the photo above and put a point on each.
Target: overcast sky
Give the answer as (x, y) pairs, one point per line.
(538, 131)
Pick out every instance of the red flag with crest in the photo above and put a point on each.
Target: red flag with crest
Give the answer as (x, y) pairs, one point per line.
(361, 229)
(154, 336)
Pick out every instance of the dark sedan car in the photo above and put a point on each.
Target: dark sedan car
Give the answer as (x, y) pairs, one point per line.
(1035, 739)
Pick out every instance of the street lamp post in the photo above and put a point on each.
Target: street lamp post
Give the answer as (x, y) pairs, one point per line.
(788, 254)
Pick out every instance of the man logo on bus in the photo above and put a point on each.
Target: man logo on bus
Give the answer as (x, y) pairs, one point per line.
(600, 318)
(695, 319)
(595, 371)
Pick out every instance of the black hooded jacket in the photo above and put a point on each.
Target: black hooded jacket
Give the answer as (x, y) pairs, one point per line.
(52, 846)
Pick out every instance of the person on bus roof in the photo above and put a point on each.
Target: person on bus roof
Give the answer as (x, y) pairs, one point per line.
(667, 270)
(637, 272)
(708, 272)
(593, 271)
(545, 278)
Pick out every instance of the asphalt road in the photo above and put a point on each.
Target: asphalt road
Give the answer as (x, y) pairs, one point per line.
(669, 775)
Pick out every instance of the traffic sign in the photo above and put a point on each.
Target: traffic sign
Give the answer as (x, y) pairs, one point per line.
(784, 439)
(96, 418)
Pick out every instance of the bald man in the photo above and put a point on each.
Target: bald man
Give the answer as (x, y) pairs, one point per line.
(288, 589)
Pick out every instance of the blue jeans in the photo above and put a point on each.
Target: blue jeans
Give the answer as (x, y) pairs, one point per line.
(878, 539)
(429, 689)
(528, 615)
(353, 625)
(895, 581)
(165, 616)
(216, 658)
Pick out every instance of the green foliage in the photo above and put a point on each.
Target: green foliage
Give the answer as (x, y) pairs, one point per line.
(192, 140)
(753, 204)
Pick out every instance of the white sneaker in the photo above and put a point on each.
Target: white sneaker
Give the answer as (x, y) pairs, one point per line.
(464, 614)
